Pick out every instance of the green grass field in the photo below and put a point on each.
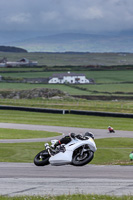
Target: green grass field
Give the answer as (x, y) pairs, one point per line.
(109, 89)
(114, 151)
(62, 59)
(97, 90)
(24, 134)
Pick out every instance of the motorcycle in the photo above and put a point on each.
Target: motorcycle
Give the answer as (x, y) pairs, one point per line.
(111, 130)
(77, 152)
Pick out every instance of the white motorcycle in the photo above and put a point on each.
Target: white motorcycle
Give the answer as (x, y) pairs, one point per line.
(77, 152)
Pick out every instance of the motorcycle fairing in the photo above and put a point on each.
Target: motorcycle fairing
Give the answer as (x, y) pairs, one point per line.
(62, 158)
(74, 144)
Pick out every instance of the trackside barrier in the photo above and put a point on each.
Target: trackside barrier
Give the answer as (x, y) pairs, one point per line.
(62, 111)
(43, 110)
(104, 114)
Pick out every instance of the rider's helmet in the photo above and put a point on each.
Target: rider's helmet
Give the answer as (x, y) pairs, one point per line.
(73, 135)
(109, 126)
(89, 134)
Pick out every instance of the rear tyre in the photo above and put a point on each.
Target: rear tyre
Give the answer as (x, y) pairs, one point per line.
(42, 158)
(79, 160)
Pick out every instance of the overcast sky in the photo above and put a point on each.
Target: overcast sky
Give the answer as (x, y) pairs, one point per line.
(82, 16)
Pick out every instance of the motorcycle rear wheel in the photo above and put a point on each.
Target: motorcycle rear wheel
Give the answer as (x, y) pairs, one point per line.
(40, 159)
(79, 160)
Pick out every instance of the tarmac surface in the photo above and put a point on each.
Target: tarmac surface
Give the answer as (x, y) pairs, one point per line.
(18, 179)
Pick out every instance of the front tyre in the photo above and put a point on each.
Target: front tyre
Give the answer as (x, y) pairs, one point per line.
(80, 160)
(42, 158)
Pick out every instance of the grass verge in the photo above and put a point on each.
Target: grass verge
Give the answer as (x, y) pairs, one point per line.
(25, 134)
(69, 197)
(113, 151)
(20, 152)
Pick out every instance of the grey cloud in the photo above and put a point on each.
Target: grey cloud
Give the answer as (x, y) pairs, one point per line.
(62, 15)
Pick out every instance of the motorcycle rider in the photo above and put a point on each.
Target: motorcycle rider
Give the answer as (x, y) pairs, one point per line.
(110, 129)
(68, 138)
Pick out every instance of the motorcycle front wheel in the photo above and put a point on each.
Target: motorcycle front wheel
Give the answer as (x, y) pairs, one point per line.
(42, 158)
(80, 160)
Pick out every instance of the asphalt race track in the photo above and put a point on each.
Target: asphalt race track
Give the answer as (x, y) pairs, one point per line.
(28, 179)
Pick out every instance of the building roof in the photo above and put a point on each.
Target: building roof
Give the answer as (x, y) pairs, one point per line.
(23, 60)
(61, 75)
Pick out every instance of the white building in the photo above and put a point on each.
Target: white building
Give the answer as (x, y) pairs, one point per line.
(3, 62)
(23, 61)
(68, 77)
